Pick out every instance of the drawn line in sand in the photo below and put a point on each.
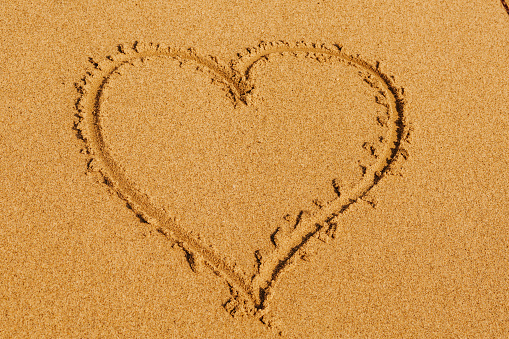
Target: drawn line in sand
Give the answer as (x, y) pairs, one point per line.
(506, 6)
(250, 294)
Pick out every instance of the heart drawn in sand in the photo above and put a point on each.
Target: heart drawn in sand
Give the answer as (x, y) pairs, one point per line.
(250, 294)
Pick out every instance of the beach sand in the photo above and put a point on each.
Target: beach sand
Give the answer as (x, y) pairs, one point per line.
(237, 169)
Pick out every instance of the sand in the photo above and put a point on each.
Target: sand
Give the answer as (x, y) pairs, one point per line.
(244, 170)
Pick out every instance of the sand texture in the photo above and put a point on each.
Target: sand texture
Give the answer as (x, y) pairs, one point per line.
(252, 170)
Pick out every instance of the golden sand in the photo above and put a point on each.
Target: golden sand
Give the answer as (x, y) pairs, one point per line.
(218, 170)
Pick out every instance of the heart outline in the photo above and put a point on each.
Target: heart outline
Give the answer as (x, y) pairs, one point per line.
(250, 295)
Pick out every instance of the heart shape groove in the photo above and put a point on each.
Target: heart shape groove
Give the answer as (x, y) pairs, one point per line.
(250, 295)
